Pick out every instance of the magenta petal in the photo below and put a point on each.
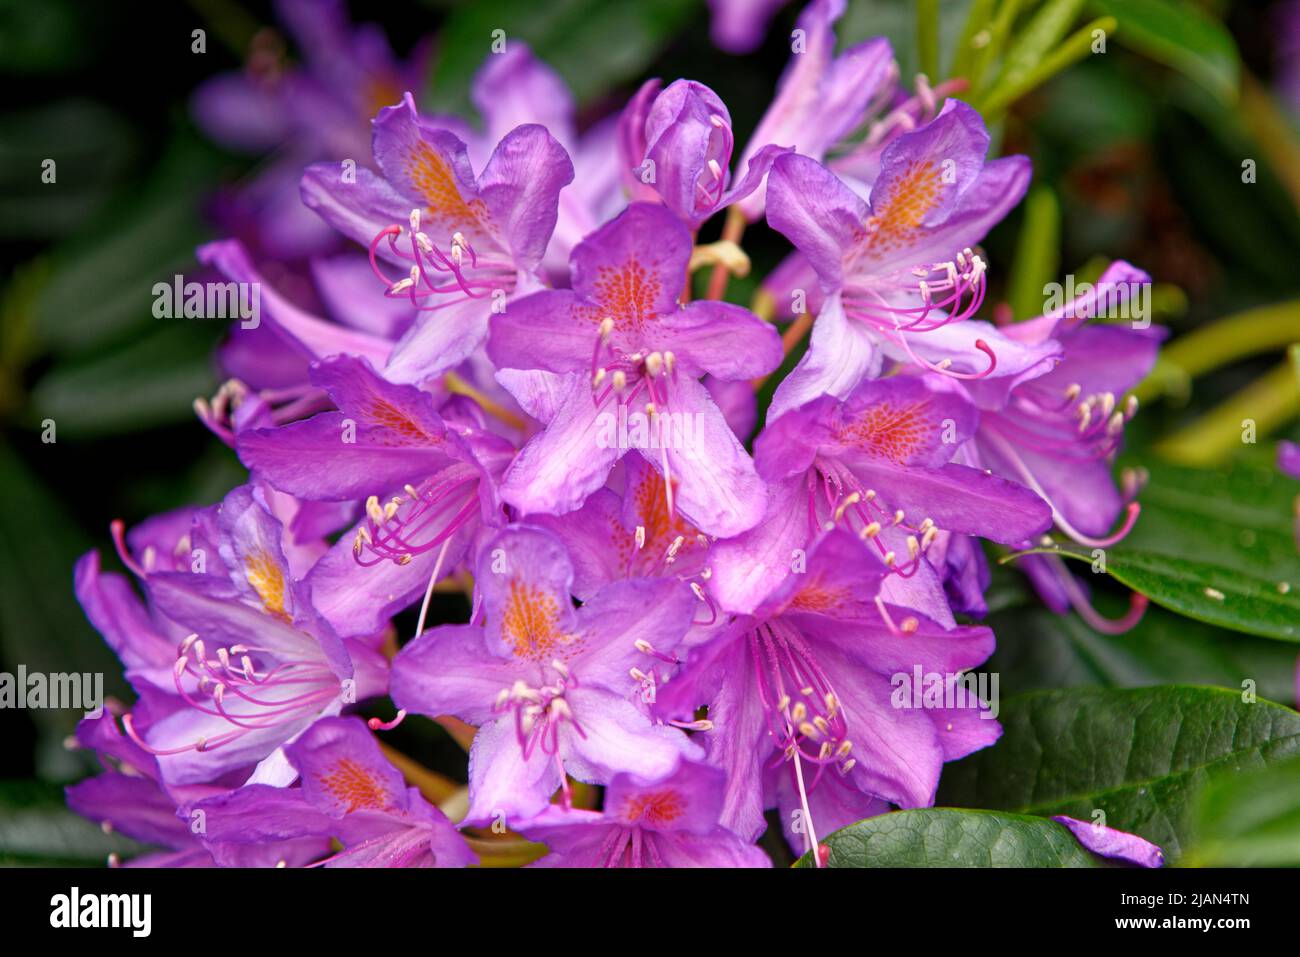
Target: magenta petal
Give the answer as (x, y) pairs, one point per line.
(360, 209)
(715, 484)
(384, 436)
(746, 568)
(520, 188)
(616, 737)
(634, 267)
(556, 471)
(1109, 842)
(1288, 458)
(503, 783)
(359, 601)
(682, 138)
(811, 207)
(449, 670)
(310, 335)
(657, 611)
(841, 353)
(720, 339)
(515, 87)
(546, 330)
(960, 499)
(343, 769)
(439, 340)
(738, 26)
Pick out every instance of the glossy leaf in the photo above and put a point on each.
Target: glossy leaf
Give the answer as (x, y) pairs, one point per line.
(1217, 546)
(948, 837)
(1180, 35)
(1140, 756)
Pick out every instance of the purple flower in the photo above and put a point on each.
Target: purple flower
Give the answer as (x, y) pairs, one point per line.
(879, 463)
(807, 683)
(1058, 431)
(680, 144)
(625, 343)
(350, 793)
(257, 663)
(630, 534)
(129, 797)
(316, 111)
(900, 278)
(1288, 458)
(1113, 844)
(738, 26)
(470, 243)
(670, 822)
(286, 331)
(550, 687)
(429, 487)
(821, 97)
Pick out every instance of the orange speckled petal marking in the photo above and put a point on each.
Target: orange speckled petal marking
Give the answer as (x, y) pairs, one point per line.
(898, 215)
(888, 431)
(531, 624)
(627, 294)
(820, 598)
(433, 180)
(355, 787)
(398, 427)
(655, 808)
(267, 579)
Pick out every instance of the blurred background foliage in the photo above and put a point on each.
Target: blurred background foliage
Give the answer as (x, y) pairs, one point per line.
(1138, 153)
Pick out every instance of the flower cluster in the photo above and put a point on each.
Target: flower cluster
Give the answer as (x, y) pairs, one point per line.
(506, 387)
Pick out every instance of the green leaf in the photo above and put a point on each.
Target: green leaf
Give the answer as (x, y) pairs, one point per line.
(1037, 253)
(948, 837)
(36, 828)
(1217, 546)
(1140, 756)
(152, 381)
(927, 37)
(46, 37)
(1037, 39)
(42, 624)
(93, 151)
(594, 45)
(897, 22)
(1182, 36)
(100, 287)
(1038, 649)
(1250, 820)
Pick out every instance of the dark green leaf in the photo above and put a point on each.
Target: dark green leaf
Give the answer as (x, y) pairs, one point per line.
(1140, 756)
(591, 43)
(42, 624)
(36, 828)
(1250, 820)
(92, 150)
(151, 381)
(101, 283)
(947, 837)
(1180, 35)
(1038, 649)
(1215, 546)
